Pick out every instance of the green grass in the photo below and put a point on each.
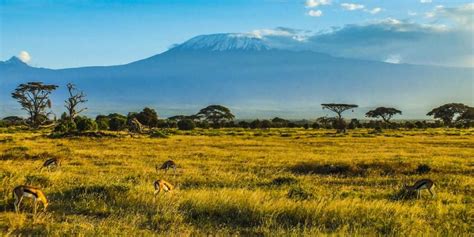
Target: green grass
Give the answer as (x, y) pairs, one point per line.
(244, 182)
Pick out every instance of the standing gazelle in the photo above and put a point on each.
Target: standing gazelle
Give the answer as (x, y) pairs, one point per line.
(162, 185)
(421, 184)
(31, 192)
(50, 163)
(167, 165)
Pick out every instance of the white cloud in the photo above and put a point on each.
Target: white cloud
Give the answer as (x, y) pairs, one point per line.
(375, 10)
(316, 3)
(461, 16)
(315, 13)
(412, 13)
(352, 6)
(393, 58)
(425, 1)
(282, 32)
(24, 56)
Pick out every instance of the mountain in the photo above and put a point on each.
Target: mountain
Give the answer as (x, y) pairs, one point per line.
(224, 42)
(255, 80)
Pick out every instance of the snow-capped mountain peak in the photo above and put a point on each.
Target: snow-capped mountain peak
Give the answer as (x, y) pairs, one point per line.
(224, 42)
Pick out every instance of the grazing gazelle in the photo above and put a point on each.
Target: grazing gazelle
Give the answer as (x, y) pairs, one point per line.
(31, 192)
(421, 184)
(50, 163)
(167, 165)
(162, 185)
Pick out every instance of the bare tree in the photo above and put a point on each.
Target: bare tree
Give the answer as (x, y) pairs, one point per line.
(339, 109)
(34, 98)
(75, 98)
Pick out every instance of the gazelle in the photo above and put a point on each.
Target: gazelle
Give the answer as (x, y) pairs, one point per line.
(421, 184)
(167, 165)
(31, 192)
(49, 163)
(162, 185)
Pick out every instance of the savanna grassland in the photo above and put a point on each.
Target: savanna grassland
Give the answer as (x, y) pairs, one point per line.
(247, 182)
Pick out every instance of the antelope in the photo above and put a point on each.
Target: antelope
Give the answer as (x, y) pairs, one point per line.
(53, 162)
(421, 184)
(162, 185)
(31, 192)
(167, 165)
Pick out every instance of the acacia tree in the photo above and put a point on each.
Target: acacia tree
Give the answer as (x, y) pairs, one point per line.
(75, 98)
(467, 116)
(216, 114)
(448, 112)
(384, 113)
(34, 98)
(339, 109)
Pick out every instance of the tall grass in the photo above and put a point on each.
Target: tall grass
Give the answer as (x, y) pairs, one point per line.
(233, 182)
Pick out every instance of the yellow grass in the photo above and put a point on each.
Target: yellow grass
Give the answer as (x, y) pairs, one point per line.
(248, 182)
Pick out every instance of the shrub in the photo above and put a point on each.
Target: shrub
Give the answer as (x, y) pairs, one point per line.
(102, 122)
(186, 124)
(158, 134)
(117, 123)
(244, 124)
(65, 126)
(85, 124)
(147, 117)
(266, 124)
(316, 125)
(255, 124)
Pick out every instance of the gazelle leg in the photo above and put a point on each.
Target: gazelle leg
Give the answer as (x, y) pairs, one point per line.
(17, 204)
(35, 206)
(431, 192)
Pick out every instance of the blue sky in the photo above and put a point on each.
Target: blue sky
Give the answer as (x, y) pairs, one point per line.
(59, 34)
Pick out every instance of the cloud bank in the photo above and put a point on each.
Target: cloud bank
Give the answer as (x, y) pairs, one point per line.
(446, 41)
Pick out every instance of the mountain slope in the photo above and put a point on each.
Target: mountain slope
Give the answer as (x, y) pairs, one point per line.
(252, 80)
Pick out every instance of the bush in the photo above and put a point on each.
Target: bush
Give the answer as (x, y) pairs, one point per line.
(102, 122)
(147, 117)
(158, 134)
(186, 124)
(117, 123)
(85, 124)
(316, 125)
(244, 124)
(266, 124)
(255, 124)
(65, 126)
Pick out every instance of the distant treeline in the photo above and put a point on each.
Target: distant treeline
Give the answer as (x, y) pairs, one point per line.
(34, 98)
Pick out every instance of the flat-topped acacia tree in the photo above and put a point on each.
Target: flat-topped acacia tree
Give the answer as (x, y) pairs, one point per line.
(339, 109)
(216, 114)
(384, 113)
(448, 112)
(34, 98)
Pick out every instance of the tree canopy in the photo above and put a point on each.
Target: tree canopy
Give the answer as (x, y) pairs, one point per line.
(216, 114)
(34, 98)
(384, 113)
(448, 112)
(339, 108)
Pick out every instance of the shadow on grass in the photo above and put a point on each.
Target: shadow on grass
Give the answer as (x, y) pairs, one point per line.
(351, 170)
